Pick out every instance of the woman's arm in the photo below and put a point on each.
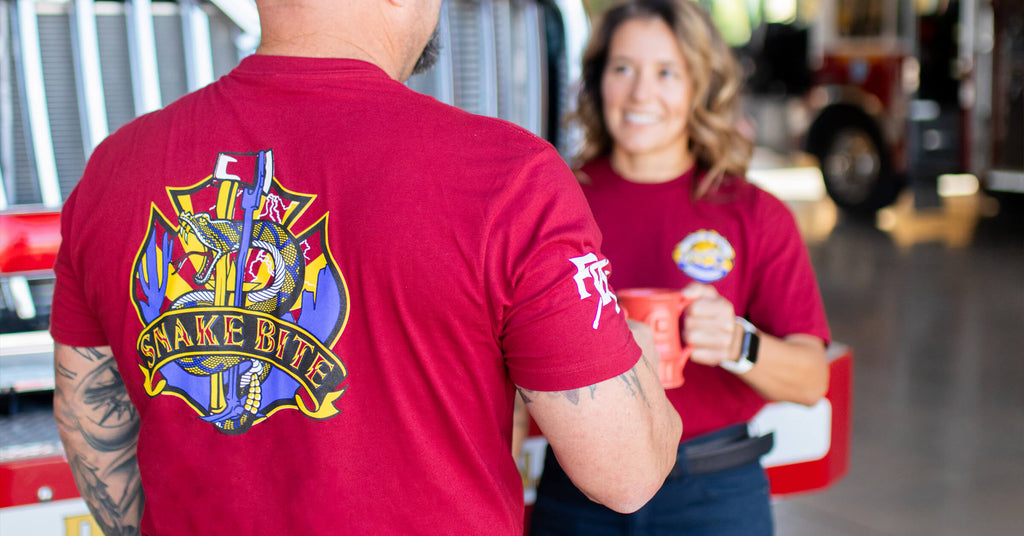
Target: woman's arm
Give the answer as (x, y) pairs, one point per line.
(792, 369)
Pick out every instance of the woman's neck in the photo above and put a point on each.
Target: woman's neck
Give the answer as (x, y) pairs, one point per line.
(650, 169)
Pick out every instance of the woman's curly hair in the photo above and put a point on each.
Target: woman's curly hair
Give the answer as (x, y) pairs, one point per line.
(714, 137)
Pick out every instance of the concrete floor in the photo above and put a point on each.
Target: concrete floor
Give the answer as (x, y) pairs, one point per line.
(932, 303)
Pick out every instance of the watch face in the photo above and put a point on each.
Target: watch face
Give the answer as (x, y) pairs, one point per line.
(751, 340)
(752, 343)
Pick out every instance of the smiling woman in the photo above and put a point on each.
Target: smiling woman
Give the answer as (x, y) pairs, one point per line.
(647, 98)
(694, 71)
(663, 168)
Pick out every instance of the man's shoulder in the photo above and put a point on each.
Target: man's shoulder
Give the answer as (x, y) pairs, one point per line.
(159, 119)
(437, 118)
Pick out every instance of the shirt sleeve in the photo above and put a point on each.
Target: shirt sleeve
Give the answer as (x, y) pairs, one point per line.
(785, 298)
(72, 320)
(562, 327)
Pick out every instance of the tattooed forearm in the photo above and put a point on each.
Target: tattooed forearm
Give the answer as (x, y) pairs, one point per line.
(98, 405)
(110, 512)
(99, 428)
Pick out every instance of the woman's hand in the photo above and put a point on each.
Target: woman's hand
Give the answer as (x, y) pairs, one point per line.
(792, 368)
(709, 326)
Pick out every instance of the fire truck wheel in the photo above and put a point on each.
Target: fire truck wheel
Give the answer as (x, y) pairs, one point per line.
(854, 162)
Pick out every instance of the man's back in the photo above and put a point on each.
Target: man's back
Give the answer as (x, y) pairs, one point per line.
(402, 260)
(298, 302)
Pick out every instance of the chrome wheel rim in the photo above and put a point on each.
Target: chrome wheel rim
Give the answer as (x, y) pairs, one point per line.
(852, 166)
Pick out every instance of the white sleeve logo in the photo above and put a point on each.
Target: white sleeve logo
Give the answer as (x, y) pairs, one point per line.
(589, 267)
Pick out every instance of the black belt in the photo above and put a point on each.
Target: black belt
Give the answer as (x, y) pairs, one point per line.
(721, 450)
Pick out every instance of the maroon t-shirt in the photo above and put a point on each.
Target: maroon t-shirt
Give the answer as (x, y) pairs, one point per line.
(319, 287)
(740, 239)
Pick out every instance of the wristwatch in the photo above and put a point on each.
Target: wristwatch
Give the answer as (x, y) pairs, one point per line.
(748, 351)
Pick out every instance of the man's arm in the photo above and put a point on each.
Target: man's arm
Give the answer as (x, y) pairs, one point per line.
(616, 439)
(100, 429)
(520, 427)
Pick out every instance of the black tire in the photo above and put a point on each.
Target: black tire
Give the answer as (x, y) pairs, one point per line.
(854, 161)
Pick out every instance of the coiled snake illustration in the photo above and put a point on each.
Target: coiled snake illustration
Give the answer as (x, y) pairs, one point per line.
(220, 238)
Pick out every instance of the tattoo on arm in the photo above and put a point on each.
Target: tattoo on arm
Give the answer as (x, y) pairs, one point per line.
(630, 378)
(633, 385)
(100, 427)
(572, 395)
(63, 372)
(647, 364)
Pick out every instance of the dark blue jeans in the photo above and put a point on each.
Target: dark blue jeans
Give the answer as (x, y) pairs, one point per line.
(732, 502)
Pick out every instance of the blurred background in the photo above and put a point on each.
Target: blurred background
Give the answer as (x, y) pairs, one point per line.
(894, 130)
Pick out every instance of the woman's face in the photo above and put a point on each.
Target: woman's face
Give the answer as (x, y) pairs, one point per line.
(646, 90)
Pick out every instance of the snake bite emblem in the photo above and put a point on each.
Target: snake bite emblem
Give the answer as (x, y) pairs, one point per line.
(240, 308)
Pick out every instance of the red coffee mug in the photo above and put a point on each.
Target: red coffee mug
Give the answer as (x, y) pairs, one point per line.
(660, 309)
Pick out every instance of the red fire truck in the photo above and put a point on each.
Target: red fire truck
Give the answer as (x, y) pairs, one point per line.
(887, 93)
(71, 71)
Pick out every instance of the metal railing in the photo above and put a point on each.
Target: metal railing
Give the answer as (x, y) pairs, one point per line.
(75, 70)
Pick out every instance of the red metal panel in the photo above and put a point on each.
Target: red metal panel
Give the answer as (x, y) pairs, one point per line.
(819, 474)
(28, 241)
(21, 481)
(879, 75)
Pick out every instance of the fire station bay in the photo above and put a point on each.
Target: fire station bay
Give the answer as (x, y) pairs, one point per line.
(892, 129)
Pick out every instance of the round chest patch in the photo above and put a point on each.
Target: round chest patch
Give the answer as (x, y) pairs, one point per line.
(704, 255)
